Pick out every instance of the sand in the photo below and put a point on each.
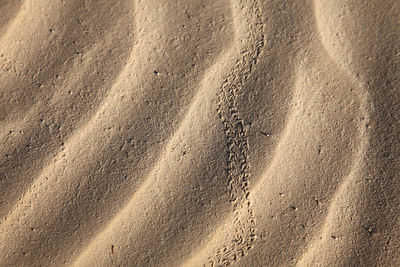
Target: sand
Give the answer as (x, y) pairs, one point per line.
(199, 133)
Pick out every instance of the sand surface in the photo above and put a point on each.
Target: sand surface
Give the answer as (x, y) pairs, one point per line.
(199, 133)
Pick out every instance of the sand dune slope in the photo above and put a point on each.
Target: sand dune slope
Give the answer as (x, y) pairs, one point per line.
(199, 133)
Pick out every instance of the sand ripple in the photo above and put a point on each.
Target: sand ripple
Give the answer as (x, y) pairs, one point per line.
(191, 133)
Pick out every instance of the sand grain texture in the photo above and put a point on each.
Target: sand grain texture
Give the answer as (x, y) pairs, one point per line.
(199, 133)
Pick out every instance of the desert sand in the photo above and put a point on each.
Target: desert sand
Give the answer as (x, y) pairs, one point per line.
(199, 133)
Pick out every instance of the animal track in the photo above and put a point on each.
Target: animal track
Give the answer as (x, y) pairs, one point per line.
(237, 140)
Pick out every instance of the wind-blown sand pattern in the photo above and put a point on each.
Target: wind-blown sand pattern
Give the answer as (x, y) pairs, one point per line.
(199, 133)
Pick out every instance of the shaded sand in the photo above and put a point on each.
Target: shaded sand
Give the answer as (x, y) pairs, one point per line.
(199, 133)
